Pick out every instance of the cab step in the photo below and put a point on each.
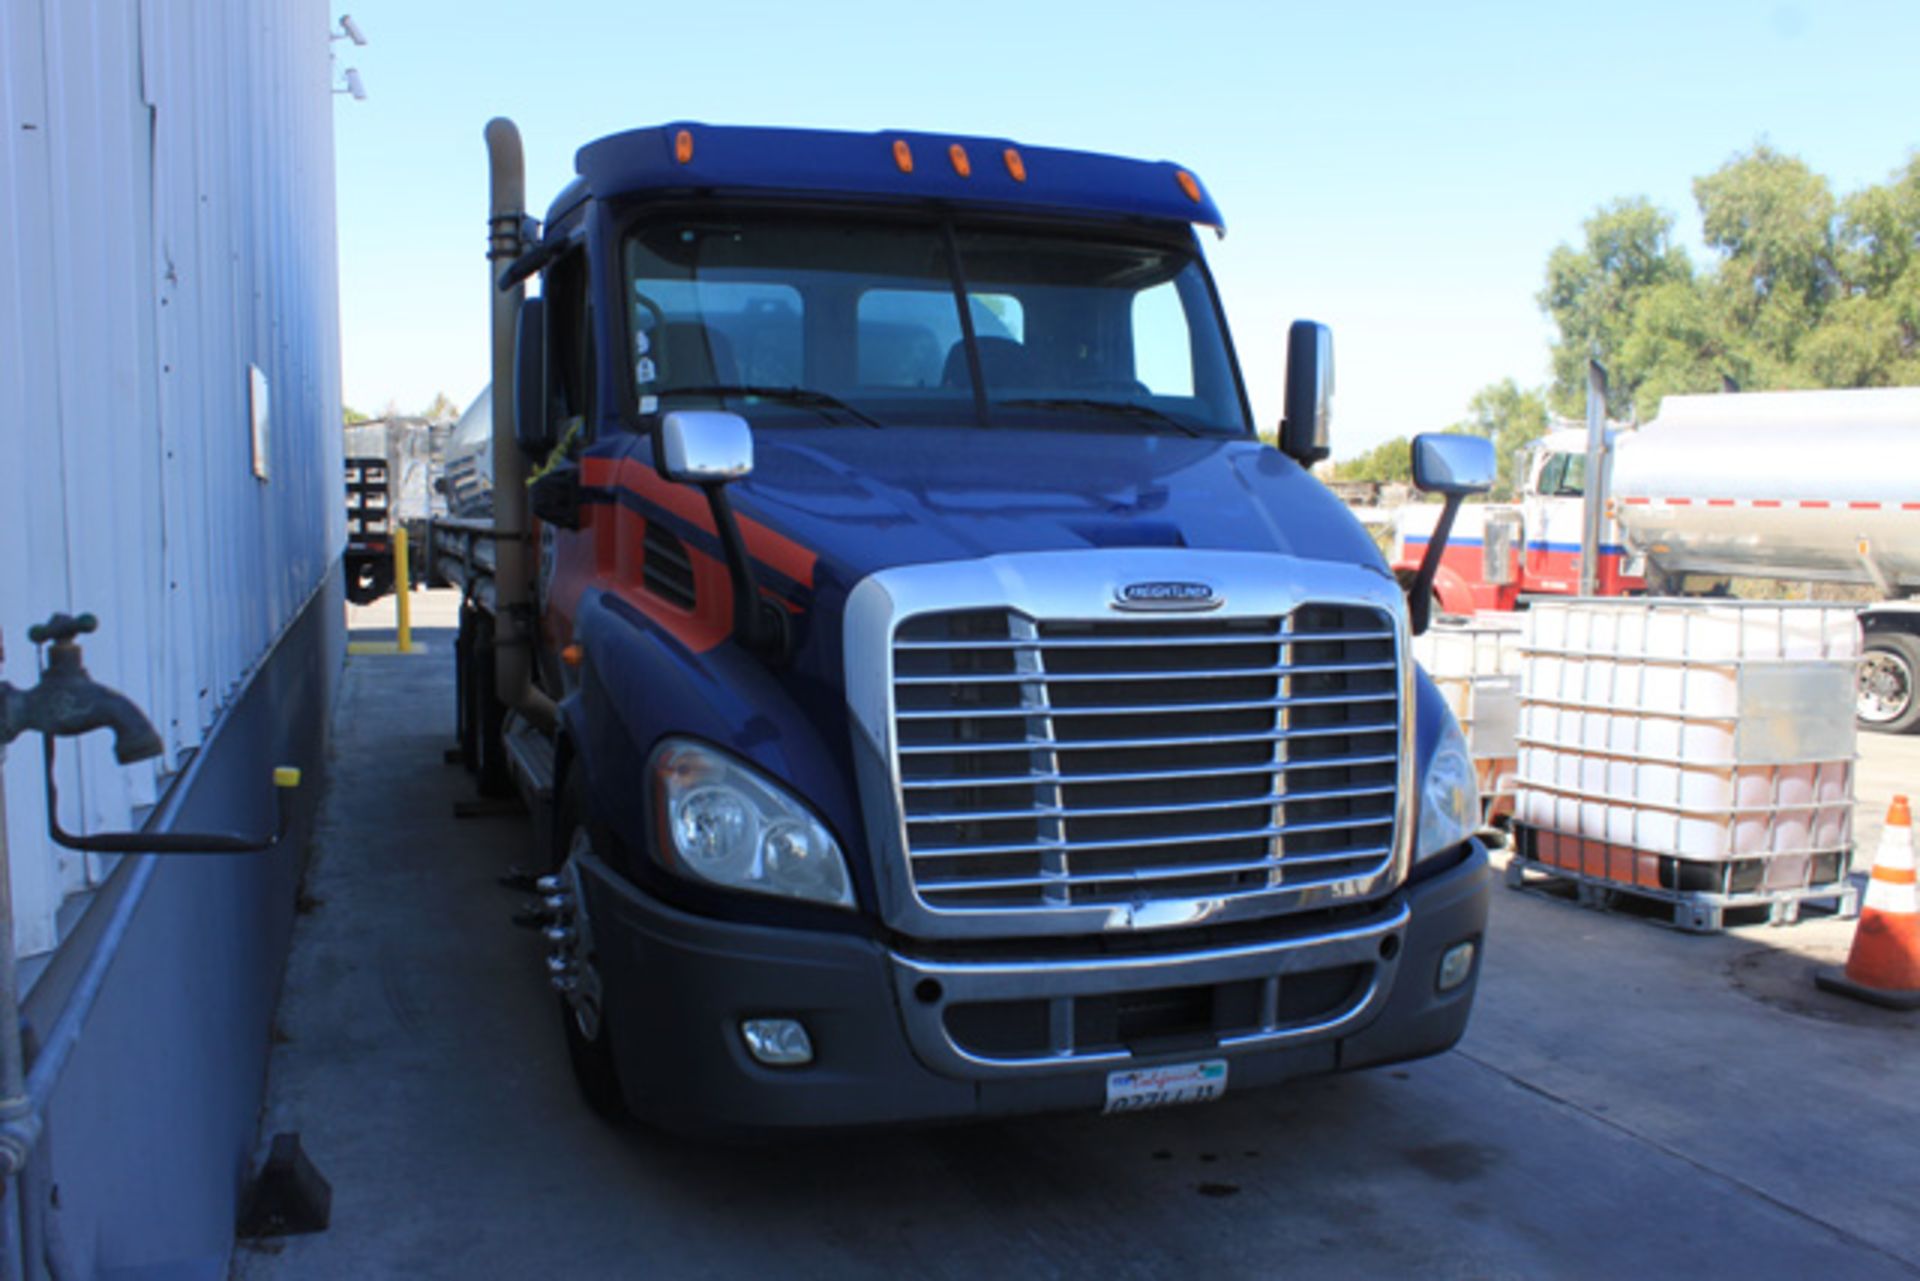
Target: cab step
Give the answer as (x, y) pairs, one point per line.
(530, 757)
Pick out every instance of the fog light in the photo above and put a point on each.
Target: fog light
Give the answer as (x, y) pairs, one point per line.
(1455, 965)
(777, 1042)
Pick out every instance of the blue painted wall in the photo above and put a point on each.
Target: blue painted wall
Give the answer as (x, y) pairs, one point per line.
(167, 189)
(152, 1129)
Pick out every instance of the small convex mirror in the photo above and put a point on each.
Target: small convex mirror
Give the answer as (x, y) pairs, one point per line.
(705, 447)
(1452, 465)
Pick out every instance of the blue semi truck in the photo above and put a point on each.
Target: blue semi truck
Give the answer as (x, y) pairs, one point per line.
(934, 698)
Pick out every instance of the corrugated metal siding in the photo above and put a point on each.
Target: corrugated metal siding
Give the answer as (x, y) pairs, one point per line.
(166, 220)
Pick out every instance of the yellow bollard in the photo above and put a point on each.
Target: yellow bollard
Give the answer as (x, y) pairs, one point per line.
(402, 590)
(402, 608)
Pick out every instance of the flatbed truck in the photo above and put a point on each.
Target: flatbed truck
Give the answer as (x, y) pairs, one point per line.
(934, 698)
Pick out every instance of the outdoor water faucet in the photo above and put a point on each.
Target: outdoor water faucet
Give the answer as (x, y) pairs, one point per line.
(67, 701)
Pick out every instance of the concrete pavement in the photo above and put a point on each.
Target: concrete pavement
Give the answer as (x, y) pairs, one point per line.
(1629, 1100)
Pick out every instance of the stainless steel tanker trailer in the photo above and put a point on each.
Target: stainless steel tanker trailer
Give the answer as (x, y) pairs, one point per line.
(1806, 486)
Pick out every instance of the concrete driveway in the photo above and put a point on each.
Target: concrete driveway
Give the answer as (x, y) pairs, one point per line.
(1630, 1101)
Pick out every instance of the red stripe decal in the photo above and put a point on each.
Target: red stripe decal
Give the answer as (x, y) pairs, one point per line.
(1679, 502)
(1766, 502)
(1864, 507)
(766, 545)
(1815, 502)
(1637, 502)
(1910, 507)
(1719, 502)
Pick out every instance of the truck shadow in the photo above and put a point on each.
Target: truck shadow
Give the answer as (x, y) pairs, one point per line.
(1312, 1169)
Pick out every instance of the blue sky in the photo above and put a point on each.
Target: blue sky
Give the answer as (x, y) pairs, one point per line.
(1399, 171)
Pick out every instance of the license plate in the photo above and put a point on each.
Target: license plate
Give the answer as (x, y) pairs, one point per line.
(1136, 1089)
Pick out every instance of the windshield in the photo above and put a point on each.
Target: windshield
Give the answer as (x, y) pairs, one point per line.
(1564, 476)
(794, 321)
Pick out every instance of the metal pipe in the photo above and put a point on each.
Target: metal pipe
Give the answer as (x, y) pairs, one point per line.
(18, 1135)
(14, 1104)
(20, 1132)
(515, 628)
(1594, 490)
(12, 1221)
(64, 1035)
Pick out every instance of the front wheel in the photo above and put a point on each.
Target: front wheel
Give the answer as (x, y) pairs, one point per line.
(574, 965)
(1886, 696)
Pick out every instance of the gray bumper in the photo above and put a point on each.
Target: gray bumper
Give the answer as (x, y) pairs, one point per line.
(678, 986)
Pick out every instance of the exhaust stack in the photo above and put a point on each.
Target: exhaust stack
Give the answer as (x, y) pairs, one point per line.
(513, 588)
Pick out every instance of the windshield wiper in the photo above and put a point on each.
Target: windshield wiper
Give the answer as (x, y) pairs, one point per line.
(805, 397)
(1125, 408)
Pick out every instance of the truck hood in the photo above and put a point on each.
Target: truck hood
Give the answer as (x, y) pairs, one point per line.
(863, 500)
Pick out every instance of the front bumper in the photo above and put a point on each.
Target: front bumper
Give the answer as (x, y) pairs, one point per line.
(885, 1047)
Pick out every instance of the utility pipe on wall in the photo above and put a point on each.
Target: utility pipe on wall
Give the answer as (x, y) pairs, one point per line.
(14, 1104)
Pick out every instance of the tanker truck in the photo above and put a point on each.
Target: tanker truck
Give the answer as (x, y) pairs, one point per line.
(1800, 486)
(934, 699)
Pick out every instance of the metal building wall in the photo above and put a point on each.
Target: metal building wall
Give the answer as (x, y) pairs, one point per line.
(166, 195)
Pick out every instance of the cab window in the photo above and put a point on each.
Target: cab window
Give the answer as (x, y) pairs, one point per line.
(569, 379)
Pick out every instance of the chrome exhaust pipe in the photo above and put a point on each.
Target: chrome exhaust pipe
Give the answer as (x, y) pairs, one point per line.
(515, 629)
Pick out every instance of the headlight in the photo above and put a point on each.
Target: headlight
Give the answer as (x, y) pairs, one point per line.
(1449, 795)
(725, 824)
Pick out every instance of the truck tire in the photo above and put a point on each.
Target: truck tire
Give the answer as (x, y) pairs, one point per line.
(1888, 671)
(363, 580)
(582, 1004)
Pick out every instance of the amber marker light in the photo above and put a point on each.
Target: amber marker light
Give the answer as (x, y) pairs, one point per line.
(1015, 165)
(683, 146)
(573, 655)
(903, 155)
(961, 165)
(1189, 184)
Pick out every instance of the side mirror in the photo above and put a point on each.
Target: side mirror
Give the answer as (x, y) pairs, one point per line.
(708, 448)
(1453, 466)
(705, 447)
(1305, 430)
(530, 428)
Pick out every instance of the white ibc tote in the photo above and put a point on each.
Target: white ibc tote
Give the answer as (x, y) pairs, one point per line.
(1702, 731)
(1476, 666)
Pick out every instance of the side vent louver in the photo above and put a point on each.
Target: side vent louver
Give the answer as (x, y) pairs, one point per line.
(666, 567)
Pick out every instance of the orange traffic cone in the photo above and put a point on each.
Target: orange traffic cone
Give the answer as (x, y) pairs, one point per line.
(1884, 966)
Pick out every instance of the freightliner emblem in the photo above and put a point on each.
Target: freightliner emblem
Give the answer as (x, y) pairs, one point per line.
(1168, 595)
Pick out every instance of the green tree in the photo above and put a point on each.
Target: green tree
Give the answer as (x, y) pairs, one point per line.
(349, 416)
(1871, 336)
(1388, 463)
(441, 408)
(1803, 290)
(1511, 418)
(1773, 221)
(1595, 293)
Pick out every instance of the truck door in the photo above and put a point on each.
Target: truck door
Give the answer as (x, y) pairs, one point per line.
(1553, 513)
(566, 557)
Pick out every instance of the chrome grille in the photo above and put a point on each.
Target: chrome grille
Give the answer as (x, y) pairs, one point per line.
(1048, 765)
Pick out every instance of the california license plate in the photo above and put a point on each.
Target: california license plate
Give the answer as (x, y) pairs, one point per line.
(1136, 1089)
